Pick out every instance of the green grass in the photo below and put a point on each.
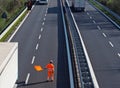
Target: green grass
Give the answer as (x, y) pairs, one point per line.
(12, 29)
(105, 12)
(12, 8)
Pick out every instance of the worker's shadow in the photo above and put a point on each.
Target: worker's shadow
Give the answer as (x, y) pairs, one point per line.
(23, 83)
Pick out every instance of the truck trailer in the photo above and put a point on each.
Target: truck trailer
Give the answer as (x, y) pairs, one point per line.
(77, 5)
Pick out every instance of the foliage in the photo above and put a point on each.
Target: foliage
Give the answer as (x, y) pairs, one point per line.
(12, 8)
(12, 29)
(112, 4)
(105, 12)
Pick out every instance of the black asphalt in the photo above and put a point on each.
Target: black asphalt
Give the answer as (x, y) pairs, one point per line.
(102, 49)
(51, 46)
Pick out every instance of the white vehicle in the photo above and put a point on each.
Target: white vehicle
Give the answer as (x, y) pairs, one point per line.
(77, 5)
(43, 1)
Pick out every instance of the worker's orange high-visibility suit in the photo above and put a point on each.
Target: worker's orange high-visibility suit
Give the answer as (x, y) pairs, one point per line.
(50, 68)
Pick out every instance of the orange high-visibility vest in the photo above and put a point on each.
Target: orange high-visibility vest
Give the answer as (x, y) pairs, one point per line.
(50, 67)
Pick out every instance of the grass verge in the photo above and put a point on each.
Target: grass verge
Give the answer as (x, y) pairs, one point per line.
(105, 12)
(13, 28)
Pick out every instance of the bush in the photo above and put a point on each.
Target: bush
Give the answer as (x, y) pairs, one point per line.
(12, 8)
(112, 4)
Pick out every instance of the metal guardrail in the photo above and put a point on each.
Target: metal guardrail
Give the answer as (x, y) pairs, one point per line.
(68, 50)
(86, 76)
(115, 15)
(110, 11)
(11, 24)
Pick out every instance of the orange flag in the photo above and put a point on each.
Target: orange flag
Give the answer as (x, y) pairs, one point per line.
(38, 68)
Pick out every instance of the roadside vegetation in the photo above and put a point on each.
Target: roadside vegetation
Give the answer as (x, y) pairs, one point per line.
(12, 29)
(11, 8)
(112, 4)
(105, 11)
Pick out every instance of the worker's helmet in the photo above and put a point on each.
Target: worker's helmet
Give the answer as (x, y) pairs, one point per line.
(51, 61)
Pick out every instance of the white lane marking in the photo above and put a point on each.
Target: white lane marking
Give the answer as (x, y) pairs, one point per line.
(39, 36)
(88, 13)
(27, 78)
(90, 17)
(41, 29)
(33, 59)
(119, 54)
(43, 23)
(37, 46)
(44, 19)
(104, 34)
(99, 27)
(45, 15)
(94, 22)
(18, 27)
(111, 44)
(46, 10)
(96, 85)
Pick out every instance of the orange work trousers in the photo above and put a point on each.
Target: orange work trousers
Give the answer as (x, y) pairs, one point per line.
(50, 73)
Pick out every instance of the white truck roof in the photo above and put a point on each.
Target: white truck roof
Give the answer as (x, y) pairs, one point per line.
(6, 49)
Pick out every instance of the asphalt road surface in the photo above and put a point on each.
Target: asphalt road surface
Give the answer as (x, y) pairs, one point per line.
(102, 40)
(41, 38)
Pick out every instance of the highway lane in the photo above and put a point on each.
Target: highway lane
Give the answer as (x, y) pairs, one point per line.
(41, 38)
(102, 40)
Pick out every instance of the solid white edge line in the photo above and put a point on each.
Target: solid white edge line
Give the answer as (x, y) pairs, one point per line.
(18, 27)
(104, 34)
(20, 23)
(27, 78)
(33, 59)
(37, 46)
(111, 44)
(87, 57)
(39, 36)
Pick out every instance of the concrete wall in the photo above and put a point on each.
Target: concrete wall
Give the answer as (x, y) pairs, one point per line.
(9, 66)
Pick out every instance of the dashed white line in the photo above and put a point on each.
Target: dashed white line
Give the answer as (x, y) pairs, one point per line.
(27, 78)
(119, 54)
(88, 13)
(46, 10)
(39, 36)
(43, 23)
(41, 29)
(37, 46)
(94, 22)
(33, 59)
(104, 34)
(99, 27)
(45, 15)
(90, 17)
(44, 19)
(111, 44)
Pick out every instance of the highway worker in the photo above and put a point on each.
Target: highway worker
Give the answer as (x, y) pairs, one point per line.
(50, 68)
